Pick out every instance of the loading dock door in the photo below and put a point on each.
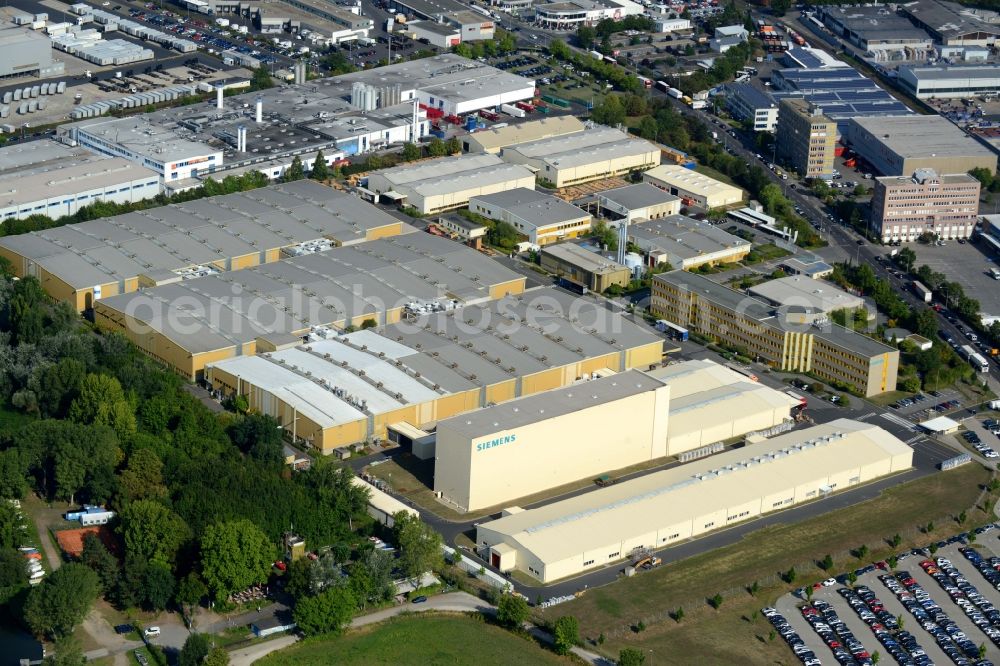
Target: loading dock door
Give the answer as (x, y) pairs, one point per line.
(495, 560)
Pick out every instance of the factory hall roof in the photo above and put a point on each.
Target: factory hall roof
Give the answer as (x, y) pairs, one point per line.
(596, 143)
(532, 207)
(921, 136)
(551, 404)
(683, 237)
(582, 258)
(801, 290)
(948, 19)
(641, 195)
(440, 353)
(493, 139)
(197, 232)
(617, 513)
(317, 289)
(452, 174)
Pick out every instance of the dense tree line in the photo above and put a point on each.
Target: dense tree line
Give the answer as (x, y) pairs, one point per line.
(202, 499)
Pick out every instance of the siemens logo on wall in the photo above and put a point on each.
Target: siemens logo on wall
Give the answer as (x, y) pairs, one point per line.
(498, 441)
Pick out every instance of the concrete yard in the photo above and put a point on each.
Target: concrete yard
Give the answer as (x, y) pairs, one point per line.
(968, 264)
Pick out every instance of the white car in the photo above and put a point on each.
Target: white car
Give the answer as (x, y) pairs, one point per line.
(829, 582)
(151, 632)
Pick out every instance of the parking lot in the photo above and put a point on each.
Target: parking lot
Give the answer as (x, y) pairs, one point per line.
(941, 607)
(965, 263)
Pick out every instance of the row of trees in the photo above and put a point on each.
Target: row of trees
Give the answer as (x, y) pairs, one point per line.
(503, 42)
(202, 499)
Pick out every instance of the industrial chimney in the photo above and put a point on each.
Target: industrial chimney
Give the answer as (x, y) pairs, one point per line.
(218, 97)
(260, 109)
(241, 138)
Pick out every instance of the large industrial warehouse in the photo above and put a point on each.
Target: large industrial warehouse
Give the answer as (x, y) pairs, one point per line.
(899, 146)
(709, 403)
(435, 366)
(188, 323)
(511, 450)
(687, 243)
(81, 263)
(604, 526)
(449, 182)
(598, 152)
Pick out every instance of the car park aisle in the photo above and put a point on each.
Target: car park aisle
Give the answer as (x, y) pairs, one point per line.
(910, 624)
(847, 615)
(970, 572)
(788, 606)
(953, 612)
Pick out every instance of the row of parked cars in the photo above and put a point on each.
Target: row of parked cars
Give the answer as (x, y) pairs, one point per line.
(975, 442)
(846, 648)
(781, 625)
(952, 640)
(980, 611)
(901, 645)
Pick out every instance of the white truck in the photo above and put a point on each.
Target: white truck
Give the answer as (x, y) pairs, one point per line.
(922, 292)
(512, 110)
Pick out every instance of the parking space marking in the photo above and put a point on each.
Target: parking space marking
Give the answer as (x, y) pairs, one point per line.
(903, 423)
(865, 416)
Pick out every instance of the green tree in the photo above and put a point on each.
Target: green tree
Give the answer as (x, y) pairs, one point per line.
(142, 477)
(453, 146)
(716, 601)
(609, 111)
(217, 657)
(371, 578)
(503, 235)
(411, 151)
(906, 258)
(512, 611)
(261, 79)
(566, 634)
(96, 556)
(329, 611)
(436, 148)
(419, 545)
(190, 592)
(826, 563)
(196, 648)
(259, 436)
(320, 169)
(101, 401)
(13, 575)
(234, 556)
(895, 540)
(679, 614)
(54, 608)
(294, 172)
(631, 657)
(67, 653)
(58, 385)
(158, 586)
(152, 532)
(586, 36)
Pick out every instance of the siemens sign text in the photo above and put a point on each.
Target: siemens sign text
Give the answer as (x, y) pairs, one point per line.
(498, 441)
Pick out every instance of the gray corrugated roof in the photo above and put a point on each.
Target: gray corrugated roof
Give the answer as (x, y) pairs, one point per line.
(197, 232)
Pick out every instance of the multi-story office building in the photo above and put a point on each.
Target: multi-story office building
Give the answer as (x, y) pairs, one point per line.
(904, 207)
(749, 104)
(792, 338)
(806, 138)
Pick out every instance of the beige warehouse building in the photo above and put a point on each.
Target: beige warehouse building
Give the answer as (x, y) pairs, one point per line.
(692, 187)
(434, 186)
(709, 403)
(351, 388)
(493, 139)
(82, 263)
(501, 453)
(540, 218)
(599, 152)
(604, 526)
(190, 323)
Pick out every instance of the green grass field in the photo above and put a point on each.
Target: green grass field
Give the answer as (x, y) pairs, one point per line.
(425, 638)
(731, 635)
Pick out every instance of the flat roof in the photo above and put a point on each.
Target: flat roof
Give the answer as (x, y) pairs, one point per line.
(948, 19)
(582, 258)
(322, 288)
(695, 376)
(597, 143)
(456, 173)
(430, 25)
(689, 180)
(684, 237)
(432, 7)
(38, 170)
(446, 352)
(801, 290)
(144, 136)
(444, 76)
(954, 72)
(534, 208)
(765, 314)
(640, 195)
(551, 404)
(754, 97)
(564, 529)
(493, 139)
(916, 136)
(198, 232)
